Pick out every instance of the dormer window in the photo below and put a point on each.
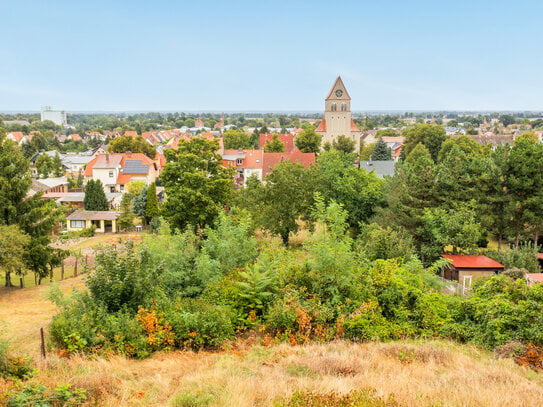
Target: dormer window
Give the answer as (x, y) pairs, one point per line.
(333, 107)
(239, 161)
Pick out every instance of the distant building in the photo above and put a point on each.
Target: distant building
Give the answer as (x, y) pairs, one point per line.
(56, 116)
(337, 119)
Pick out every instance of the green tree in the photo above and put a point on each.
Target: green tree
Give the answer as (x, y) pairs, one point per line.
(309, 141)
(366, 151)
(151, 204)
(35, 216)
(456, 228)
(13, 244)
(126, 218)
(465, 144)
(196, 184)
(381, 152)
(344, 144)
(135, 187)
(431, 135)
(338, 180)
(409, 193)
(274, 145)
(387, 133)
(95, 197)
(286, 196)
(140, 202)
(125, 144)
(236, 139)
(44, 165)
(507, 119)
(57, 167)
(524, 169)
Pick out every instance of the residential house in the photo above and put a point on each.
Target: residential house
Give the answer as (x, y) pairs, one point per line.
(48, 185)
(76, 200)
(258, 163)
(16, 136)
(115, 171)
(466, 268)
(103, 221)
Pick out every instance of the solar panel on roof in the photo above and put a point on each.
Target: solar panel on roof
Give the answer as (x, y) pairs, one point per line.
(135, 167)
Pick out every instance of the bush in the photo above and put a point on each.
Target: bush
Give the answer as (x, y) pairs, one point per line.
(87, 232)
(199, 325)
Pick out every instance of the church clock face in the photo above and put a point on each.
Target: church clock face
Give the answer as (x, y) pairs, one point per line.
(339, 93)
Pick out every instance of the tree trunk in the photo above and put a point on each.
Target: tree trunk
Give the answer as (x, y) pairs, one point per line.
(499, 243)
(8, 279)
(517, 240)
(50, 273)
(284, 236)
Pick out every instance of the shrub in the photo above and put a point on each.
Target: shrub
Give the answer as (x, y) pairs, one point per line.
(366, 397)
(87, 232)
(198, 324)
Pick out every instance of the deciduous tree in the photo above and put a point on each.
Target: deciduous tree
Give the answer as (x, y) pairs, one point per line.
(196, 184)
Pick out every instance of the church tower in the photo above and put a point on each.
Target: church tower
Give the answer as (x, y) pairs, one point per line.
(337, 116)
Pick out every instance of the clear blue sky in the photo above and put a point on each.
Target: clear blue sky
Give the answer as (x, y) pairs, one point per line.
(270, 55)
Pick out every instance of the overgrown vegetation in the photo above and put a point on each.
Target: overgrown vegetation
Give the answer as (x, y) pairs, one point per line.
(195, 291)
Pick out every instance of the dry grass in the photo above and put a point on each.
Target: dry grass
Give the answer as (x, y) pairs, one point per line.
(417, 374)
(24, 311)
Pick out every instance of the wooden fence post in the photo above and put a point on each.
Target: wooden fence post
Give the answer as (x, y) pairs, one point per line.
(42, 343)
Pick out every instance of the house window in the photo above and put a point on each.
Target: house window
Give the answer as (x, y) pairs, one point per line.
(334, 107)
(111, 174)
(239, 161)
(121, 187)
(77, 224)
(111, 189)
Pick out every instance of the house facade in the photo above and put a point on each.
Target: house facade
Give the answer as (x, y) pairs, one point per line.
(115, 171)
(103, 221)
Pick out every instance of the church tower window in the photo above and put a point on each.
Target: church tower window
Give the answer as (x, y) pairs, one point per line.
(334, 107)
(344, 107)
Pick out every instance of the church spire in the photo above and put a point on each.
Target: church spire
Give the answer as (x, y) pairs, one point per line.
(338, 91)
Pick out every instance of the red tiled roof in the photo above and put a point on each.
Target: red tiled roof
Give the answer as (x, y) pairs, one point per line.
(472, 262)
(322, 126)
(354, 127)
(540, 256)
(114, 160)
(131, 133)
(272, 159)
(17, 135)
(75, 137)
(286, 139)
(536, 277)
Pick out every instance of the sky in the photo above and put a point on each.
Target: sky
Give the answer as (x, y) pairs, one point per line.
(235, 56)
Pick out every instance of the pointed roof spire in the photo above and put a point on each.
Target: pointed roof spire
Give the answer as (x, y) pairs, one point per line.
(338, 85)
